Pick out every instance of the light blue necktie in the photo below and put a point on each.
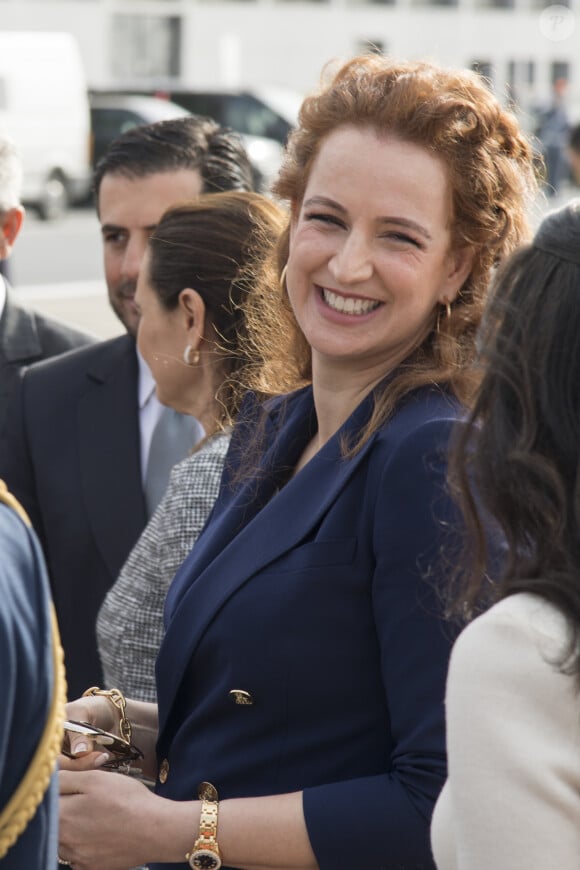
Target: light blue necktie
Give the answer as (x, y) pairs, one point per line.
(173, 438)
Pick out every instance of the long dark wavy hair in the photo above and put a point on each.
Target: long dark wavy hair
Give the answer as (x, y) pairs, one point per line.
(518, 457)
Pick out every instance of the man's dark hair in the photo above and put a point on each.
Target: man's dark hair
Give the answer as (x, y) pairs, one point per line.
(194, 142)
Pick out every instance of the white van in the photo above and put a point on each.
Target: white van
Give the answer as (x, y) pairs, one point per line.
(44, 108)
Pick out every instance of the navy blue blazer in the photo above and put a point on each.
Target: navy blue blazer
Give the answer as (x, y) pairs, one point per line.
(318, 598)
(26, 677)
(72, 459)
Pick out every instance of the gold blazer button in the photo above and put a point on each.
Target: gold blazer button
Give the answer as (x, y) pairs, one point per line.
(163, 771)
(240, 696)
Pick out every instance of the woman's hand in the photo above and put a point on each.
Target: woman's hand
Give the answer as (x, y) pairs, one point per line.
(96, 710)
(110, 820)
(88, 754)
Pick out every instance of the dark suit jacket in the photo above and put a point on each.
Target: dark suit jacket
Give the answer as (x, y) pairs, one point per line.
(26, 677)
(319, 600)
(27, 337)
(73, 460)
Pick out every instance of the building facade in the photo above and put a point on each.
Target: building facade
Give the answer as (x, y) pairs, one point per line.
(523, 46)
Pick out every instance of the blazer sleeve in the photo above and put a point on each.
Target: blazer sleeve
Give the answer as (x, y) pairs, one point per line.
(384, 819)
(514, 742)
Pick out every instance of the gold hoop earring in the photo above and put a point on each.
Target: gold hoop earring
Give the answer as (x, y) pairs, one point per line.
(188, 359)
(282, 280)
(447, 313)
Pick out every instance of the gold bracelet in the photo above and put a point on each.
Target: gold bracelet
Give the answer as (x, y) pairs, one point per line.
(205, 854)
(117, 699)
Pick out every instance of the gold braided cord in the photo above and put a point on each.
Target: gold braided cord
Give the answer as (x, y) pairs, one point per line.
(23, 804)
(13, 502)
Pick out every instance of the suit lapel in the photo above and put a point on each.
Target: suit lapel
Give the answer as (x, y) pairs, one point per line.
(108, 425)
(229, 555)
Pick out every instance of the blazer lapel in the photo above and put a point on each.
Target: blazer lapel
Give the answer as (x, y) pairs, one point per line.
(286, 438)
(108, 424)
(230, 556)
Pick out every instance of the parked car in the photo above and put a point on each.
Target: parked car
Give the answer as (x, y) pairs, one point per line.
(264, 117)
(267, 112)
(113, 114)
(44, 109)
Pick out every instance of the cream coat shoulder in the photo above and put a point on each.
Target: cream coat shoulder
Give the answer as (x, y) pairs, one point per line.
(512, 799)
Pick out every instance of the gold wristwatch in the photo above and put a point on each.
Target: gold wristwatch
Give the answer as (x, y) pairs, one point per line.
(205, 854)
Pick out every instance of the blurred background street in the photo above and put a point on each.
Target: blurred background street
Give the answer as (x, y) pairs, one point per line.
(248, 65)
(57, 269)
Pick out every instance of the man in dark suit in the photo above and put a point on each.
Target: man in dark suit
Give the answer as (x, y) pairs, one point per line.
(25, 335)
(80, 434)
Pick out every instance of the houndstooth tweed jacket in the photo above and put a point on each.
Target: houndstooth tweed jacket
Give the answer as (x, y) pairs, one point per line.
(130, 621)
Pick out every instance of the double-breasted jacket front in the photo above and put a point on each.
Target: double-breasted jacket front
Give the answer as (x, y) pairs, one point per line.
(304, 647)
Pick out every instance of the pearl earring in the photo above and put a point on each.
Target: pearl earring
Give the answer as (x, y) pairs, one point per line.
(188, 359)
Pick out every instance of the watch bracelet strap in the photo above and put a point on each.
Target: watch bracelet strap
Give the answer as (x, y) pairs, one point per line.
(208, 821)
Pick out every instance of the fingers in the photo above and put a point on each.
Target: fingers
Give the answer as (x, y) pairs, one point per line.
(87, 761)
(80, 740)
(75, 740)
(71, 782)
(78, 746)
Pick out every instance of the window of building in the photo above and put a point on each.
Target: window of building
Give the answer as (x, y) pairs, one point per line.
(370, 46)
(521, 78)
(496, 4)
(146, 46)
(436, 2)
(559, 69)
(485, 70)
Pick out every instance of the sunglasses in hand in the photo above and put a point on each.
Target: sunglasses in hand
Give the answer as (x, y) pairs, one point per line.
(121, 751)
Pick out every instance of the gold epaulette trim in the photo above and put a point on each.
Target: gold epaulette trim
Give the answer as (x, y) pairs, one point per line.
(27, 798)
(12, 502)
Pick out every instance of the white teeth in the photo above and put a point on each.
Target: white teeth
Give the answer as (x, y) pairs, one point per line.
(350, 305)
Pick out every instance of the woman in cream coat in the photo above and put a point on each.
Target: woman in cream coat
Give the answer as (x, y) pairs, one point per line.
(512, 800)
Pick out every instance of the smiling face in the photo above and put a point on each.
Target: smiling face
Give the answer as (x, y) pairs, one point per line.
(129, 210)
(370, 255)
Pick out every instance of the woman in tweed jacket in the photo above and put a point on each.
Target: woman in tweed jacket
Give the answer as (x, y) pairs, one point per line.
(197, 271)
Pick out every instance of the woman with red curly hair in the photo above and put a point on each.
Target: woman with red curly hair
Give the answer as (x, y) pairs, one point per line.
(301, 678)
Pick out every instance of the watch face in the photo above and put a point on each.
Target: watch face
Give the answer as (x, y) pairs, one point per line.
(205, 859)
